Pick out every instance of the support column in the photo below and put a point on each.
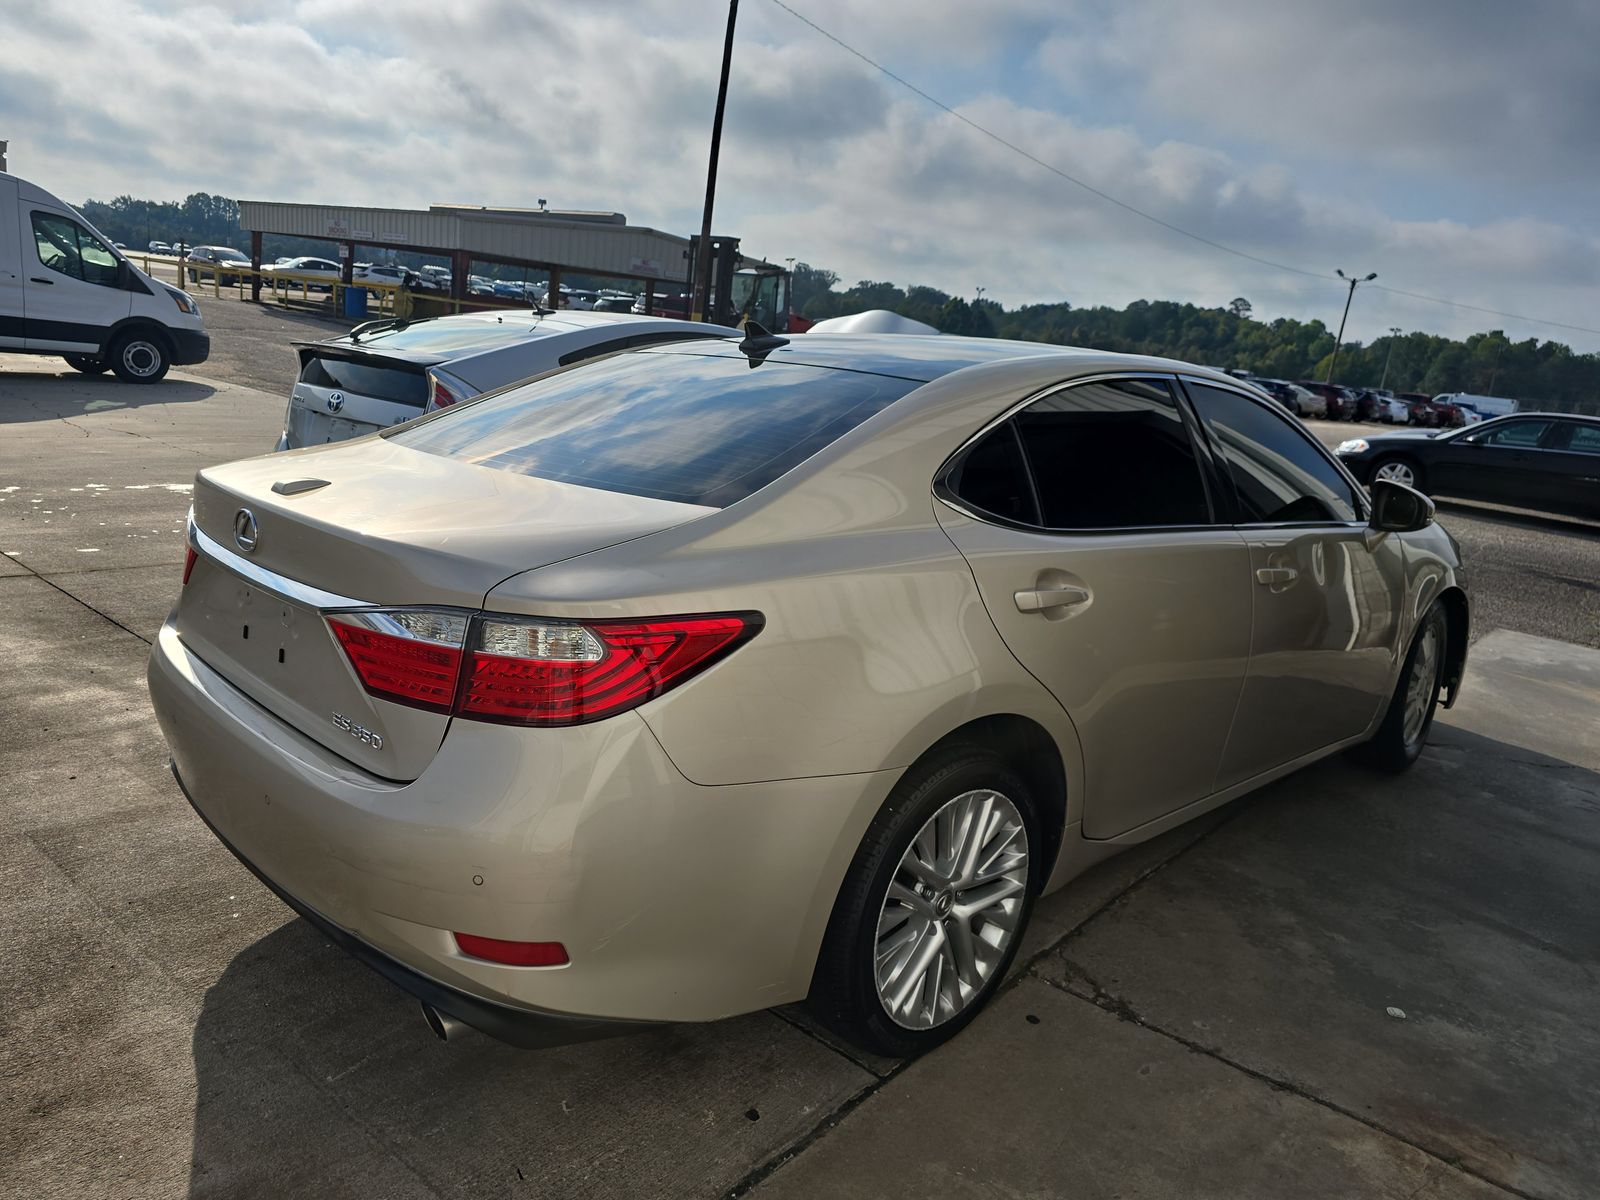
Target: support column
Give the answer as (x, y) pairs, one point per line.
(460, 268)
(649, 297)
(255, 264)
(555, 287)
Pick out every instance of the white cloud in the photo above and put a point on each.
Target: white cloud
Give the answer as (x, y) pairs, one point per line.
(411, 102)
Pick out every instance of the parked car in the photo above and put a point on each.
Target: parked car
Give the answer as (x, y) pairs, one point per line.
(1363, 404)
(1391, 409)
(1469, 414)
(1544, 461)
(160, 248)
(1282, 393)
(1421, 406)
(70, 293)
(318, 274)
(388, 371)
(221, 256)
(720, 675)
(679, 304)
(1447, 415)
(1489, 406)
(440, 275)
(392, 275)
(1336, 404)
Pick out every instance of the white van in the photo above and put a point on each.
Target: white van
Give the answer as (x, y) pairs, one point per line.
(64, 290)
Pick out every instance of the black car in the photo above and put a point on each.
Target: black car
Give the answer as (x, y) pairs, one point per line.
(1545, 461)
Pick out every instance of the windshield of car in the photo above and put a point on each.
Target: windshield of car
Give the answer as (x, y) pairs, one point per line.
(697, 429)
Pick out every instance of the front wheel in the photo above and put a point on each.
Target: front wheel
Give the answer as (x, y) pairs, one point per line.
(1400, 738)
(932, 910)
(140, 357)
(1398, 470)
(87, 363)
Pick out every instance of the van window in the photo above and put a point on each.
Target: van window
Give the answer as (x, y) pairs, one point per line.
(69, 249)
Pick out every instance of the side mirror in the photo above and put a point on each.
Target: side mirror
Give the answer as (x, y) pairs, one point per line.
(1397, 508)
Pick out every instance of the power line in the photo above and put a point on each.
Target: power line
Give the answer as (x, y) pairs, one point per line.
(1135, 210)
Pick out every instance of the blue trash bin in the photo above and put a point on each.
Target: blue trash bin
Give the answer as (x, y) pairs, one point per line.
(355, 301)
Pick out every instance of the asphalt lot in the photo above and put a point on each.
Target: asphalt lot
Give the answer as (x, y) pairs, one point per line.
(1205, 1015)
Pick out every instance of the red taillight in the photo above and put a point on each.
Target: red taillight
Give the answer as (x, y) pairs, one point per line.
(533, 673)
(189, 556)
(411, 657)
(439, 393)
(513, 954)
(526, 671)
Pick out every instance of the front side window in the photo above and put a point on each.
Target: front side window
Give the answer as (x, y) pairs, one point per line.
(69, 249)
(1111, 455)
(1524, 434)
(1278, 476)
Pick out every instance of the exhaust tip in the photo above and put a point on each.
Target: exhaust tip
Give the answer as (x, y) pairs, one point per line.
(445, 1027)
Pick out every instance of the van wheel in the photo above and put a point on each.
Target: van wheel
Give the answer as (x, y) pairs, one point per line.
(140, 357)
(87, 363)
(932, 910)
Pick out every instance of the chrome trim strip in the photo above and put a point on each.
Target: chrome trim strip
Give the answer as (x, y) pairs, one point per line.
(271, 581)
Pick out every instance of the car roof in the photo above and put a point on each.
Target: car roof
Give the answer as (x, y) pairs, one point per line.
(492, 329)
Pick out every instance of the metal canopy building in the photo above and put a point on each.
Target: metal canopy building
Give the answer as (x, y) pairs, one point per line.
(588, 243)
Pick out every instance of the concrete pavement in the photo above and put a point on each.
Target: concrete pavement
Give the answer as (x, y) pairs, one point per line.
(1202, 1016)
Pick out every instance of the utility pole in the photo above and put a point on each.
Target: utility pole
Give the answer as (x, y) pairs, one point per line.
(702, 271)
(1394, 332)
(1339, 341)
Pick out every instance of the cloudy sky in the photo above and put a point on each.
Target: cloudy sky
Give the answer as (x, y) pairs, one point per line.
(1453, 146)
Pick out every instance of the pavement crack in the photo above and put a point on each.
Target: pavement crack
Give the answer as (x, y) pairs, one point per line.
(1120, 1008)
(50, 583)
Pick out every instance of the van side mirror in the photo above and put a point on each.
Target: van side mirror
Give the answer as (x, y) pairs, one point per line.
(1397, 508)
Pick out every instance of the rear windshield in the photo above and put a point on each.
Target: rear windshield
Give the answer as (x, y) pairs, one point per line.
(687, 427)
(398, 384)
(448, 337)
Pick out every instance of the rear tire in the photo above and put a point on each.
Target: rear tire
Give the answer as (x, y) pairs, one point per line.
(87, 363)
(1404, 731)
(140, 357)
(927, 921)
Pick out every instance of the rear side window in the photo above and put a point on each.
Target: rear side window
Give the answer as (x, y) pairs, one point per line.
(1585, 439)
(697, 429)
(1112, 455)
(397, 384)
(1278, 476)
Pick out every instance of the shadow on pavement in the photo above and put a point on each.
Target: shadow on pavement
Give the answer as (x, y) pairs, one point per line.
(1520, 518)
(47, 394)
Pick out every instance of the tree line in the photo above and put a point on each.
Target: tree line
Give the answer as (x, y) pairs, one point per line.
(1547, 374)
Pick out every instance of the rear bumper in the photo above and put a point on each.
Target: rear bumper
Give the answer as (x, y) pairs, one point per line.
(189, 346)
(529, 1028)
(675, 901)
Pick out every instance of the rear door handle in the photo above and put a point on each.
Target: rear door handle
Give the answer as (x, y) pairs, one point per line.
(1273, 576)
(1037, 600)
(36, 279)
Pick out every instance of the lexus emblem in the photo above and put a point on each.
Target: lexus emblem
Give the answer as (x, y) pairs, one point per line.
(244, 530)
(335, 401)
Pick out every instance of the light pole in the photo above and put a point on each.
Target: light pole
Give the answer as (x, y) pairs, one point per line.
(1351, 295)
(702, 267)
(979, 300)
(1394, 332)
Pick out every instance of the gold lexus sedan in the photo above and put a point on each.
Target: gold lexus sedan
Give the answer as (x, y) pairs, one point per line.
(718, 675)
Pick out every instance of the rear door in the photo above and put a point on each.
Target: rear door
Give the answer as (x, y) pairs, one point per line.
(1088, 521)
(11, 277)
(1327, 603)
(1575, 468)
(342, 394)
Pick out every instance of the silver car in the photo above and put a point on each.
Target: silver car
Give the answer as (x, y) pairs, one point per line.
(716, 675)
(388, 371)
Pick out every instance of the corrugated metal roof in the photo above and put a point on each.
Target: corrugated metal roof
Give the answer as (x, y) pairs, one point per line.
(601, 243)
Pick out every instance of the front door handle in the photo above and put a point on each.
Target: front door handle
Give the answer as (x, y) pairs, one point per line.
(36, 279)
(1276, 576)
(1039, 599)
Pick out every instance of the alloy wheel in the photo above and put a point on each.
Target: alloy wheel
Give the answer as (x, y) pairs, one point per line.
(951, 910)
(1397, 472)
(1423, 684)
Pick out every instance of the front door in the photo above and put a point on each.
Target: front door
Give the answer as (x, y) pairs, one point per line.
(74, 283)
(1574, 453)
(1328, 594)
(1500, 462)
(1088, 522)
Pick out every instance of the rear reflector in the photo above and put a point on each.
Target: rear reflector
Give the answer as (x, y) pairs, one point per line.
(189, 556)
(513, 954)
(527, 671)
(440, 394)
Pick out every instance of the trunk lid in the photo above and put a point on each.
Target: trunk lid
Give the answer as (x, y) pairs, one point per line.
(390, 527)
(342, 393)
